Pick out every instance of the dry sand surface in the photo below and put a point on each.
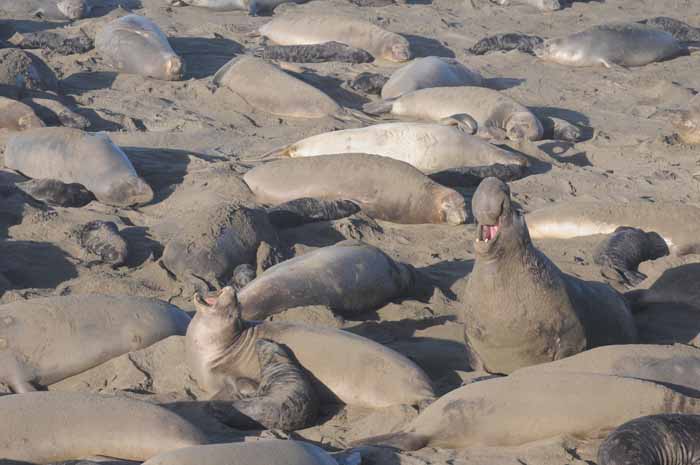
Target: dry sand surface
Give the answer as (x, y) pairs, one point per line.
(190, 140)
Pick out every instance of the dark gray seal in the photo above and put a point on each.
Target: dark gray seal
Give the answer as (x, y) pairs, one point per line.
(102, 239)
(314, 53)
(57, 193)
(683, 32)
(471, 176)
(307, 210)
(54, 41)
(21, 71)
(505, 43)
(369, 83)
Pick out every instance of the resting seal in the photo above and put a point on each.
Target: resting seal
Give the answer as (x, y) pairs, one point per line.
(427, 72)
(544, 5)
(21, 71)
(16, 116)
(307, 210)
(55, 192)
(314, 53)
(48, 9)
(506, 42)
(686, 123)
(253, 7)
(520, 309)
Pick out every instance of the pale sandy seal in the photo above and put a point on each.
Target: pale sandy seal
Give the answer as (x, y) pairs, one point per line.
(71, 155)
(16, 116)
(136, 45)
(544, 5)
(221, 350)
(349, 277)
(497, 116)
(253, 7)
(46, 427)
(320, 28)
(677, 223)
(427, 72)
(48, 9)
(519, 308)
(384, 188)
(670, 439)
(623, 44)
(686, 123)
(429, 147)
(45, 340)
(516, 410)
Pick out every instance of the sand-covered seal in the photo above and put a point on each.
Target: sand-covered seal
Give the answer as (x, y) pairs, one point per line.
(677, 223)
(57, 193)
(668, 439)
(369, 83)
(544, 5)
(310, 28)
(519, 308)
(516, 410)
(73, 156)
(101, 239)
(221, 350)
(45, 340)
(383, 188)
(686, 123)
(253, 7)
(349, 277)
(314, 53)
(48, 9)
(497, 116)
(307, 210)
(134, 44)
(429, 147)
(622, 44)
(21, 71)
(427, 72)
(46, 427)
(16, 116)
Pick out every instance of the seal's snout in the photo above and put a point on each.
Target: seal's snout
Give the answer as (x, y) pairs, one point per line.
(454, 209)
(74, 9)
(174, 68)
(401, 52)
(222, 300)
(488, 203)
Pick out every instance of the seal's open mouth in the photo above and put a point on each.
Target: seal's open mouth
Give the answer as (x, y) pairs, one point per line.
(488, 232)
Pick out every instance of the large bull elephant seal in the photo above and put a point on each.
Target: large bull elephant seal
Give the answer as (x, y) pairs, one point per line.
(43, 341)
(520, 309)
(46, 427)
(427, 72)
(74, 156)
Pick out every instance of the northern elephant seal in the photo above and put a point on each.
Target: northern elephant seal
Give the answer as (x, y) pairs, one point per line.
(427, 72)
(55, 192)
(678, 285)
(497, 116)
(427, 146)
(516, 410)
(253, 7)
(677, 223)
(544, 5)
(683, 32)
(21, 71)
(48, 9)
(667, 439)
(136, 45)
(312, 28)
(369, 83)
(54, 41)
(307, 210)
(314, 53)
(623, 44)
(349, 277)
(16, 116)
(46, 427)
(46, 340)
(71, 155)
(54, 113)
(686, 123)
(383, 188)
(220, 350)
(519, 308)
(101, 239)
(506, 42)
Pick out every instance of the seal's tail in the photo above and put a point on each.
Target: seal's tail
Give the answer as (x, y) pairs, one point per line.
(401, 441)
(379, 107)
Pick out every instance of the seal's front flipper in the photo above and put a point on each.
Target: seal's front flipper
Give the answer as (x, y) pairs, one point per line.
(15, 373)
(462, 121)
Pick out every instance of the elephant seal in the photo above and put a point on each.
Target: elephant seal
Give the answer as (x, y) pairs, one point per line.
(364, 179)
(253, 7)
(497, 116)
(307, 210)
(71, 155)
(21, 71)
(135, 45)
(427, 72)
(369, 83)
(268, 452)
(314, 53)
(37, 335)
(48, 9)
(427, 146)
(55, 113)
(16, 116)
(544, 5)
(683, 32)
(667, 439)
(519, 308)
(310, 29)
(46, 427)
(467, 176)
(623, 44)
(505, 43)
(686, 123)
(54, 41)
(349, 277)
(620, 254)
(678, 285)
(675, 222)
(220, 350)
(102, 240)
(57, 193)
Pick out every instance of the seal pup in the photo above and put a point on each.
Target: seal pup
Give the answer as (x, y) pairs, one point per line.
(73, 156)
(16, 116)
(427, 146)
(370, 181)
(427, 72)
(675, 222)
(686, 123)
(37, 335)
(56, 193)
(253, 7)
(220, 351)
(47, 427)
(307, 210)
(519, 308)
(667, 439)
(56, 42)
(101, 239)
(314, 53)
(544, 5)
(505, 43)
(21, 71)
(622, 44)
(369, 83)
(683, 32)
(135, 45)
(496, 115)
(620, 254)
(349, 277)
(312, 28)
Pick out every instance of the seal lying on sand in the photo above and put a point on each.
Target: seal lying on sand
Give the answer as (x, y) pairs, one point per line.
(16, 116)
(55, 192)
(71, 155)
(426, 146)
(686, 123)
(46, 340)
(670, 439)
(48, 9)
(220, 351)
(21, 71)
(427, 72)
(101, 239)
(544, 5)
(520, 309)
(253, 7)
(683, 32)
(383, 188)
(517, 410)
(134, 44)
(46, 427)
(506, 42)
(315, 53)
(310, 28)
(307, 210)
(56, 42)
(675, 222)
(349, 277)
(369, 83)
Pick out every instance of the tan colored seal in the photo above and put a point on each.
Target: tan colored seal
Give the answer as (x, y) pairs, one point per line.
(16, 116)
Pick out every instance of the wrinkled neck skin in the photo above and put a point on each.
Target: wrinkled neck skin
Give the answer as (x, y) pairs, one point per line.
(513, 245)
(216, 334)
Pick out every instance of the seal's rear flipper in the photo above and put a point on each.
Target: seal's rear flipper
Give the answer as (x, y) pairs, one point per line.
(461, 121)
(378, 108)
(401, 441)
(15, 373)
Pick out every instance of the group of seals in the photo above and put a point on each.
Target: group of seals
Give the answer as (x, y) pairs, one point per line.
(48, 9)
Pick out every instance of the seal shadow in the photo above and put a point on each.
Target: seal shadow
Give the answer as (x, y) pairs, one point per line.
(9, 26)
(204, 57)
(426, 47)
(142, 247)
(334, 88)
(30, 264)
(12, 201)
(103, 7)
(502, 83)
(86, 81)
(572, 116)
(444, 275)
